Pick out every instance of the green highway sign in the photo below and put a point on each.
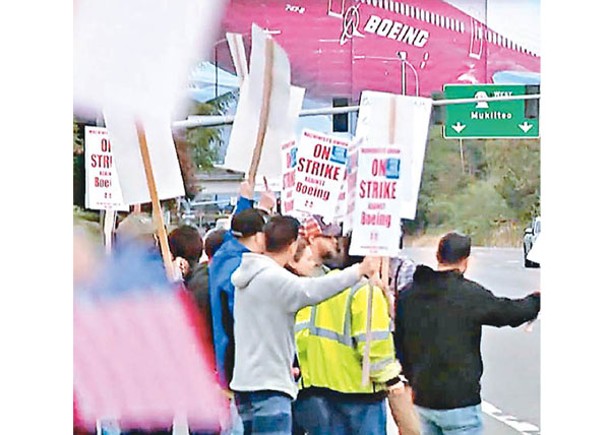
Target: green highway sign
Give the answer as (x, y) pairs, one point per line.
(487, 119)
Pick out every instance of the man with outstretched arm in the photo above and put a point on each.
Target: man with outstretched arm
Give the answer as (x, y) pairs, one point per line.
(437, 334)
(267, 297)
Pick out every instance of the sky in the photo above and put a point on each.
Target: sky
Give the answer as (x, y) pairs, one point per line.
(519, 20)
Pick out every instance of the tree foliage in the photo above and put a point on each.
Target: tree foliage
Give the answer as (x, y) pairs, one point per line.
(197, 147)
(484, 187)
(78, 165)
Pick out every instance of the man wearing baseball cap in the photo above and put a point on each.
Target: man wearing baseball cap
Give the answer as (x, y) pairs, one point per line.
(322, 238)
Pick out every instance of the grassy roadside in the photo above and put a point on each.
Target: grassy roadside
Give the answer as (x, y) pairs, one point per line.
(503, 237)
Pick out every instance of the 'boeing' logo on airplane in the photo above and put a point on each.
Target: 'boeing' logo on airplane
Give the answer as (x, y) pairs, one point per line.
(350, 23)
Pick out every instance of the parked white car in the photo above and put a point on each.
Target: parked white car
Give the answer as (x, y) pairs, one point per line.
(531, 233)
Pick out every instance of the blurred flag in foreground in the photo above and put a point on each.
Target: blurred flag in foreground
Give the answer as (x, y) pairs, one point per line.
(138, 354)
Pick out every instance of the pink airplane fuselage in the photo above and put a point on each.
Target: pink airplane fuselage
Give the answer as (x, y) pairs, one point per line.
(337, 48)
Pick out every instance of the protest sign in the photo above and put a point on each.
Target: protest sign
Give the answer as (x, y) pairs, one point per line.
(102, 188)
(288, 170)
(274, 129)
(341, 205)
(411, 115)
(130, 163)
(320, 171)
(351, 184)
(376, 223)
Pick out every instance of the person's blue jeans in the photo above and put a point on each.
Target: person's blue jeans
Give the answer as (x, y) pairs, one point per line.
(322, 415)
(458, 421)
(265, 412)
(235, 427)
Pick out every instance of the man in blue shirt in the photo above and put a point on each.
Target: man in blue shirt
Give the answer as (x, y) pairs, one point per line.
(245, 235)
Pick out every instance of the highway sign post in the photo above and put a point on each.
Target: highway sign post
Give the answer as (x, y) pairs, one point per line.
(488, 119)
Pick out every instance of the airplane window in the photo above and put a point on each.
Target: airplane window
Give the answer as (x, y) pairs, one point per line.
(442, 20)
(461, 27)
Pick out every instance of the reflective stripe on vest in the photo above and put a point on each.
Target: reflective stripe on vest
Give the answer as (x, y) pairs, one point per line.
(344, 338)
(375, 335)
(380, 365)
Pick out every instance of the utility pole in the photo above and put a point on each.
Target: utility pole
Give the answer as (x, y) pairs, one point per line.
(462, 158)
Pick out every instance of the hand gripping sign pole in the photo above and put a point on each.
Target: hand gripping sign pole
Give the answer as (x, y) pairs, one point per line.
(264, 112)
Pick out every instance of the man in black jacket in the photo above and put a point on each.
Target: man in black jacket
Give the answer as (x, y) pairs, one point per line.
(437, 335)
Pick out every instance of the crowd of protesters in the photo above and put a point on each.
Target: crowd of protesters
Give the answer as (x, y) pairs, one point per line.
(289, 315)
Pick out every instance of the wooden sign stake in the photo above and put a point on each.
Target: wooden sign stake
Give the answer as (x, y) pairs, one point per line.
(109, 222)
(384, 268)
(373, 282)
(157, 215)
(264, 111)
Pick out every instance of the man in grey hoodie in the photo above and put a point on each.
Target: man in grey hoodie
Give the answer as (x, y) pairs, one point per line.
(267, 298)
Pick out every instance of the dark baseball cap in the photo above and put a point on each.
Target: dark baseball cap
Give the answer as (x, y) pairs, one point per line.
(247, 223)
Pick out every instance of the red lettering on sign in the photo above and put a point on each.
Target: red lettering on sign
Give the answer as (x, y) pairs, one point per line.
(102, 182)
(105, 145)
(289, 180)
(379, 167)
(313, 191)
(319, 169)
(379, 219)
(377, 189)
(101, 161)
(321, 151)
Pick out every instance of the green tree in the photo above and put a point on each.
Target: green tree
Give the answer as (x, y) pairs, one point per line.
(479, 210)
(78, 165)
(489, 192)
(442, 179)
(515, 171)
(197, 147)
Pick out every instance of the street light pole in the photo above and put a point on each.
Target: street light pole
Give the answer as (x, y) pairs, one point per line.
(403, 56)
(403, 80)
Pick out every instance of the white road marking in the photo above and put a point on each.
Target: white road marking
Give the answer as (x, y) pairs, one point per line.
(521, 426)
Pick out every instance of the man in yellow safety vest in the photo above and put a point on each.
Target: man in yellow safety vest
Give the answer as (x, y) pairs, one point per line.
(330, 340)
